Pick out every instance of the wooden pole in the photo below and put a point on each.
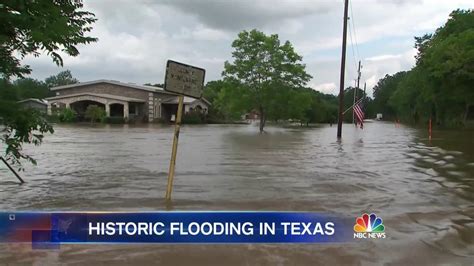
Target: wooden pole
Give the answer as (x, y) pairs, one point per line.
(13, 170)
(343, 67)
(174, 150)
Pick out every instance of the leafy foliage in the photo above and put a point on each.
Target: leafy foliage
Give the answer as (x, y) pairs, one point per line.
(440, 85)
(94, 113)
(194, 117)
(67, 115)
(20, 126)
(304, 105)
(34, 27)
(349, 101)
(264, 72)
(61, 79)
(383, 90)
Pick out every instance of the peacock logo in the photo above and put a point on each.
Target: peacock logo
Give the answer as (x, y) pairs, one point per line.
(369, 226)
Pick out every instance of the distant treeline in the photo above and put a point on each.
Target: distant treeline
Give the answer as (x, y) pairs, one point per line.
(24, 88)
(441, 84)
(303, 105)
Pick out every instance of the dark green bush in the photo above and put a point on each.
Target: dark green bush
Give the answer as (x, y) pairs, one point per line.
(95, 113)
(67, 115)
(54, 118)
(194, 117)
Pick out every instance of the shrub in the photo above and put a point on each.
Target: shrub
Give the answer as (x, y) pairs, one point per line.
(67, 115)
(94, 113)
(54, 118)
(194, 117)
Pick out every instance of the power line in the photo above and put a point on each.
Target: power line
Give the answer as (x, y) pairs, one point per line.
(352, 47)
(353, 27)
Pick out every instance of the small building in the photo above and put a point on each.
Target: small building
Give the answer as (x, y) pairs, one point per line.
(127, 100)
(253, 115)
(34, 103)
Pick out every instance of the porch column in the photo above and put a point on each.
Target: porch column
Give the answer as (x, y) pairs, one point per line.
(50, 112)
(159, 108)
(107, 109)
(125, 110)
(67, 105)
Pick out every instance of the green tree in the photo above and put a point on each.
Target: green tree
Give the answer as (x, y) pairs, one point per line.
(232, 100)
(60, 79)
(349, 101)
(31, 88)
(94, 113)
(383, 90)
(263, 68)
(449, 63)
(440, 85)
(34, 27)
(24, 88)
(299, 104)
(211, 92)
(212, 89)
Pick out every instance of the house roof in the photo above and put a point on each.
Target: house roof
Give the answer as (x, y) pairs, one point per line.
(114, 82)
(101, 95)
(34, 100)
(130, 85)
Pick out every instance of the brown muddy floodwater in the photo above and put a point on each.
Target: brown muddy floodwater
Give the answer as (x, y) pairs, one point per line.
(424, 192)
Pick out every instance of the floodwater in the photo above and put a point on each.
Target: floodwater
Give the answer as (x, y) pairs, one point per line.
(424, 191)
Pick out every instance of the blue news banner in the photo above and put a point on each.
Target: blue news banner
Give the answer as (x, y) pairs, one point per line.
(173, 227)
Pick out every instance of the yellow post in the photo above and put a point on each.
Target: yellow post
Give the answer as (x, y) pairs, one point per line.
(175, 148)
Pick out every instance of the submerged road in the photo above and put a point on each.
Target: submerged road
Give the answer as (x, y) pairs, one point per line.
(423, 191)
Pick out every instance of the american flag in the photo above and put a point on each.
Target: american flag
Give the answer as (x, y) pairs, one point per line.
(359, 114)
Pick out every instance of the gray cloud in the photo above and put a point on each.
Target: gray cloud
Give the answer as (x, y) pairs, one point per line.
(238, 15)
(137, 37)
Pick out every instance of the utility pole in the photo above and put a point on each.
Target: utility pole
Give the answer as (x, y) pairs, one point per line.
(343, 67)
(355, 92)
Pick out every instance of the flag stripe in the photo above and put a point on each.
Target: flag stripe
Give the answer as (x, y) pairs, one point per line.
(359, 113)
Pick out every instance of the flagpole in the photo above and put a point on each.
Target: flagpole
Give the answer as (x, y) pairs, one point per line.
(358, 101)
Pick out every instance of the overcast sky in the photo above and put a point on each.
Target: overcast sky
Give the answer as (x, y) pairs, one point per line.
(137, 37)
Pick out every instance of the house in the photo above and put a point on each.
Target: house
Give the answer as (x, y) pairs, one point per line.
(253, 115)
(34, 103)
(127, 100)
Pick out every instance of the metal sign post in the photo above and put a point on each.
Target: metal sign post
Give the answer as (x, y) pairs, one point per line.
(184, 80)
(174, 150)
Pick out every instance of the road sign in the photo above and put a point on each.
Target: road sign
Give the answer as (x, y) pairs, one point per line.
(184, 79)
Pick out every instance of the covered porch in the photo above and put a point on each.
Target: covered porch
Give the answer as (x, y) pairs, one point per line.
(114, 106)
